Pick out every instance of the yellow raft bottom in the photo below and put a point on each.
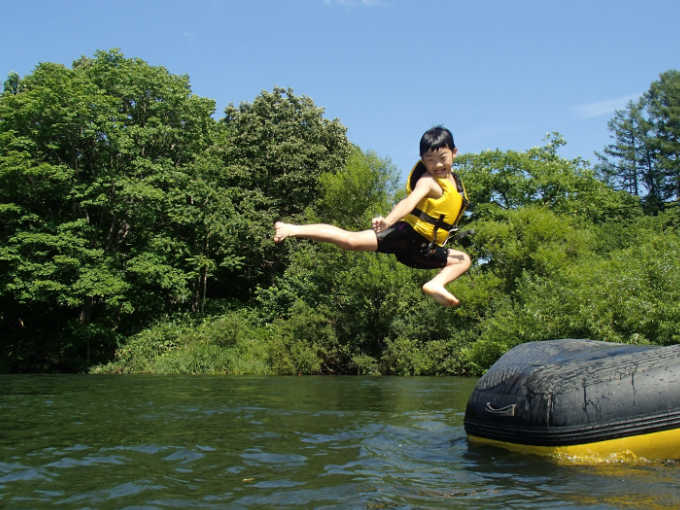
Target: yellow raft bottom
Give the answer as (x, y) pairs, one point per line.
(643, 448)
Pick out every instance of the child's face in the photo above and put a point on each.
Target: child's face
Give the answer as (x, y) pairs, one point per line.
(438, 162)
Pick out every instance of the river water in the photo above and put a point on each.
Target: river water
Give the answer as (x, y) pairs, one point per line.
(147, 442)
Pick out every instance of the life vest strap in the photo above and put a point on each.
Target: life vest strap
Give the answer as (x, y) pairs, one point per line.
(437, 222)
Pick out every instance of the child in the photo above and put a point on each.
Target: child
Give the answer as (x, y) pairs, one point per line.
(418, 226)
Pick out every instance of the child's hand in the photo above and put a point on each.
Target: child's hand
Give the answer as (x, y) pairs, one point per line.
(379, 224)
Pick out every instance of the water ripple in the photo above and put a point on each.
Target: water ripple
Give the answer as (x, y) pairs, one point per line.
(242, 443)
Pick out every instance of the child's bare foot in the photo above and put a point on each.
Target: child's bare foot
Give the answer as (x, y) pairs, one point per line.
(440, 294)
(282, 230)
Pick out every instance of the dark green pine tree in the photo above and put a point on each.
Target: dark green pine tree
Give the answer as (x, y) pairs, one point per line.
(663, 106)
(644, 156)
(620, 165)
(629, 163)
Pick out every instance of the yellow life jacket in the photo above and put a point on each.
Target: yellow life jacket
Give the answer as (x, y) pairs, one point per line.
(433, 218)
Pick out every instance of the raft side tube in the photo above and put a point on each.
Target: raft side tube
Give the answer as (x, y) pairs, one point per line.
(569, 392)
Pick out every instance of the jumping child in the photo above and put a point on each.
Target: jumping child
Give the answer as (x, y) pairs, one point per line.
(417, 228)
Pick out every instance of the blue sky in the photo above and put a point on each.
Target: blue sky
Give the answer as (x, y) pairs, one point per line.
(499, 74)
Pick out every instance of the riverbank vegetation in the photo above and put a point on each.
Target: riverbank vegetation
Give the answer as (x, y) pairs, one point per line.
(136, 235)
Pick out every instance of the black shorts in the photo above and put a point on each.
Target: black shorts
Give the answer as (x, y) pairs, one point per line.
(410, 247)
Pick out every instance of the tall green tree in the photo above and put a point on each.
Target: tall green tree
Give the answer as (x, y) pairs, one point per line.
(122, 200)
(627, 163)
(274, 151)
(358, 293)
(506, 180)
(663, 105)
(280, 144)
(643, 157)
(11, 84)
(363, 189)
(91, 159)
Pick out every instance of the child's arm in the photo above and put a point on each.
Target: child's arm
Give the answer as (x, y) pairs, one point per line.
(405, 206)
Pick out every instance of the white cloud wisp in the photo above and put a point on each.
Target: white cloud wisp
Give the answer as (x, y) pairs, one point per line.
(604, 107)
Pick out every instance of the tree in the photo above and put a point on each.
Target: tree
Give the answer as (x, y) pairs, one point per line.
(280, 144)
(273, 153)
(122, 200)
(358, 292)
(663, 106)
(360, 191)
(11, 84)
(93, 161)
(630, 166)
(505, 180)
(643, 159)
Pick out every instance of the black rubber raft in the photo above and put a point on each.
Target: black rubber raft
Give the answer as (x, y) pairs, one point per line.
(580, 401)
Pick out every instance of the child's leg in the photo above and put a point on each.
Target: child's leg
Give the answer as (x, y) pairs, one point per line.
(365, 240)
(456, 264)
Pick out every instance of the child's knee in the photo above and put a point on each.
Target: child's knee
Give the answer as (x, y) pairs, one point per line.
(459, 258)
(351, 242)
(360, 241)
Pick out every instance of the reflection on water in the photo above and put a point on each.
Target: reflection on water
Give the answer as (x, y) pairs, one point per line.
(298, 442)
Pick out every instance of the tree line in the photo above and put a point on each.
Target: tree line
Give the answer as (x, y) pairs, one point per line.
(136, 237)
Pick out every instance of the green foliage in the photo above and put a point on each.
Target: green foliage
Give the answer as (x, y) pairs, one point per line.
(122, 200)
(643, 158)
(368, 180)
(12, 83)
(628, 295)
(281, 144)
(627, 163)
(543, 270)
(89, 160)
(231, 344)
(497, 180)
(663, 105)
(135, 236)
(531, 239)
(272, 153)
(235, 343)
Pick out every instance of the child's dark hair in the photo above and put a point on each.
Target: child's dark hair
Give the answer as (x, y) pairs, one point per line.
(436, 138)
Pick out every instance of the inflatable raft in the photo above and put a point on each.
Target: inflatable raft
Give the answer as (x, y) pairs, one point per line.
(580, 401)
